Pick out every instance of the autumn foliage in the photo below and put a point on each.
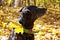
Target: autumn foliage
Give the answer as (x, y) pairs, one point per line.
(49, 24)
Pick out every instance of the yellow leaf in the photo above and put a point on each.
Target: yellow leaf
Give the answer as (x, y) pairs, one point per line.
(56, 38)
(3, 24)
(18, 28)
(9, 2)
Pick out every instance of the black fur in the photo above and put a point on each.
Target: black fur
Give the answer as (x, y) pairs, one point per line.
(28, 16)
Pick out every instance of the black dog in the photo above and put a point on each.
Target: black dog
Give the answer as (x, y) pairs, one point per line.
(28, 16)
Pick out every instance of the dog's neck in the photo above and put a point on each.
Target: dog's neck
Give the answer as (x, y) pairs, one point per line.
(27, 31)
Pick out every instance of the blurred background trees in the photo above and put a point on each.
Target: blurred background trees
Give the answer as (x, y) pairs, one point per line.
(9, 14)
(40, 3)
(9, 8)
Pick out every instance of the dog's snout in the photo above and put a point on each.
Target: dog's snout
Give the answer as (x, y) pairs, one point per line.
(41, 10)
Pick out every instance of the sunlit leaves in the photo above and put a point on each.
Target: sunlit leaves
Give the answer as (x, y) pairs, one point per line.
(49, 24)
(9, 2)
(18, 28)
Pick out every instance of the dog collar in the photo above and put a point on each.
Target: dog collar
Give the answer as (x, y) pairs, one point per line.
(28, 31)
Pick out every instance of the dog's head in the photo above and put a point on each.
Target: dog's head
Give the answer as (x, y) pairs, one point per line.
(30, 14)
(33, 11)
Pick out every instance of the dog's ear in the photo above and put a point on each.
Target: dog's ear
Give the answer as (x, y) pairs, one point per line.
(24, 10)
(21, 9)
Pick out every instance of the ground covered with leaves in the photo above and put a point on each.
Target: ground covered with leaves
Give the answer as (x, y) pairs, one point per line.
(47, 25)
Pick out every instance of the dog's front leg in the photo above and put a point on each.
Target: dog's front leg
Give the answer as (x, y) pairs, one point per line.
(12, 35)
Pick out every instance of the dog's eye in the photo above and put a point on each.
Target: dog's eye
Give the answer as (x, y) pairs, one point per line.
(28, 13)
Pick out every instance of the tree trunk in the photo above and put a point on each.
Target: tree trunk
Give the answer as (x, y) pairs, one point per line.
(15, 3)
(19, 2)
(0, 2)
(22, 2)
(25, 2)
(28, 2)
(34, 2)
